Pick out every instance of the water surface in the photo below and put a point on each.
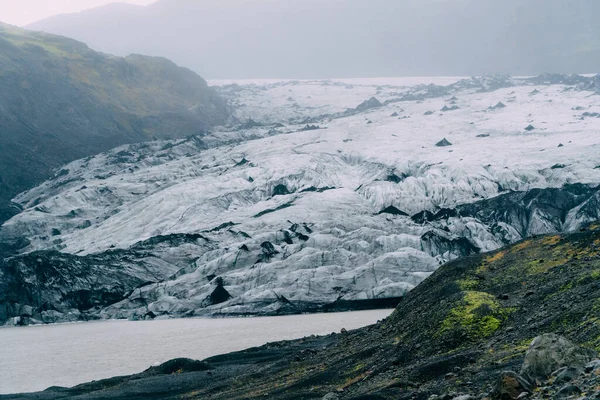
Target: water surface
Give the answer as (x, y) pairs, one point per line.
(36, 357)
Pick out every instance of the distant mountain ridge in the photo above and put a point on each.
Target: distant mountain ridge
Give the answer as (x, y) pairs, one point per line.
(352, 38)
(61, 101)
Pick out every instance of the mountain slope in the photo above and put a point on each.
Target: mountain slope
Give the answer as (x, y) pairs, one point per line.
(61, 101)
(452, 335)
(335, 38)
(327, 199)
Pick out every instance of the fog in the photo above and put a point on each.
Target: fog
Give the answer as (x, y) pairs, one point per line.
(348, 38)
(23, 12)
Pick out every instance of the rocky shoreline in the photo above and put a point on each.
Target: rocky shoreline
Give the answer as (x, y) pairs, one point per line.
(521, 322)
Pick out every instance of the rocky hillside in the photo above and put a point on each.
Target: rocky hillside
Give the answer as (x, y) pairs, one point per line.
(61, 101)
(520, 322)
(330, 195)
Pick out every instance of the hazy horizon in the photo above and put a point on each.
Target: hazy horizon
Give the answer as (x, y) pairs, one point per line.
(25, 12)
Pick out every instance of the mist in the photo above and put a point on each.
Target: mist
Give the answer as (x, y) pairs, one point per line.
(347, 38)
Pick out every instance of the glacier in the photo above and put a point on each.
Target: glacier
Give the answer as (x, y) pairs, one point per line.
(323, 192)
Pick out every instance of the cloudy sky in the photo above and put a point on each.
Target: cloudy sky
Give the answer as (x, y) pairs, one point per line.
(23, 12)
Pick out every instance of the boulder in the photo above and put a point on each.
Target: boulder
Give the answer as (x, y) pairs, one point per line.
(510, 386)
(567, 392)
(443, 143)
(566, 374)
(593, 366)
(550, 352)
(177, 365)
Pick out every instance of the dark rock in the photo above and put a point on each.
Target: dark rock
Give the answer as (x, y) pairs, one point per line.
(368, 104)
(395, 114)
(592, 366)
(220, 294)
(280, 190)
(302, 237)
(446, 108)
(510, 385)
(498, 106)
(565, 374)
(223, 226)
(393, 210)
(243, 161)
(149, 315)
(395, 178)
(268, 249)
(443, 143)
(287, 238)
(590, 114)
(567, 391)
(529, 128)
(178, 365)
(428, 113)
(310, 127)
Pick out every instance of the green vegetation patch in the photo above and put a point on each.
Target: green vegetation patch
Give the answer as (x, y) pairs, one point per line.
(478, 313)
(467, 283)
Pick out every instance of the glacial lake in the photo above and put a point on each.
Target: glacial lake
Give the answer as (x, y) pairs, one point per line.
(35, 357)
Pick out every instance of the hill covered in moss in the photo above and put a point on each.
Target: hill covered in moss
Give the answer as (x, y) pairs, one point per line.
(453, 335)
(61, 101)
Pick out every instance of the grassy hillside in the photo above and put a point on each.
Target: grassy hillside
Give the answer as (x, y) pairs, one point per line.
(61, 101)
(454, 333)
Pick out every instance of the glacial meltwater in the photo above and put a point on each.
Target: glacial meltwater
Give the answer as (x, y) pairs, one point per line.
(36, 357)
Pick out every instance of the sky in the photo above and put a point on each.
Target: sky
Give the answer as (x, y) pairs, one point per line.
(24, 12)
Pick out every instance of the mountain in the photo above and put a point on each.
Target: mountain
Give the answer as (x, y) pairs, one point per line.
(61, 101)
(489, 326)
(348, 38)
(329, 195)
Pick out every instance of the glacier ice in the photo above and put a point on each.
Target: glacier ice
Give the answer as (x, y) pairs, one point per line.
(273, 217)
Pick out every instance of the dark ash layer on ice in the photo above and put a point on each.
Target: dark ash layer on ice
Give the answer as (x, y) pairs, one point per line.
(143, 282)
